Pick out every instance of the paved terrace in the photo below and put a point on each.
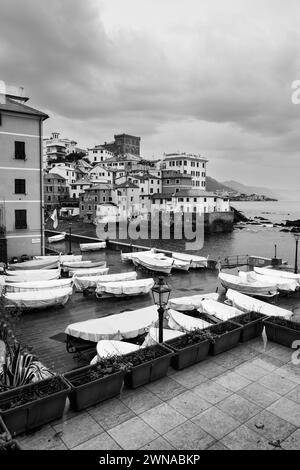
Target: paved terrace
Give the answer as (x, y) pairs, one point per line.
(247, 398)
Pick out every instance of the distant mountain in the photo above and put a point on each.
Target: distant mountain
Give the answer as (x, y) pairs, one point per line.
(214, 185)
(242, 188)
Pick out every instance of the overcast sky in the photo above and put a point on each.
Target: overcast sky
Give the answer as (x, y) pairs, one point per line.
(204, 76)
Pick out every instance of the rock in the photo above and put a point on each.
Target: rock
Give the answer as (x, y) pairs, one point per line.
(275, 443)
(284, 230)
(292, 223)
(259, 425)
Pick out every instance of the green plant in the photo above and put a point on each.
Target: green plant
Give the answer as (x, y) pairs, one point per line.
(9, 317)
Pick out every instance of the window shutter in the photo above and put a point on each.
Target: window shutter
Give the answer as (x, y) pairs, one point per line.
(20, 186)
(20, 219)
(19, 150)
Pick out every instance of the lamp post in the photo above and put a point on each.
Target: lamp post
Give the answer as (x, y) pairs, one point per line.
(70, 239)
(297, 237)
(161, 293)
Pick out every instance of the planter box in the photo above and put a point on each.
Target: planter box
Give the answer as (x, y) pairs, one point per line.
(282, 334)
(12, 445)
(224, 341)
(91, 393)
(33, 414)
(253, 328)
(189, 355)
(148, 371)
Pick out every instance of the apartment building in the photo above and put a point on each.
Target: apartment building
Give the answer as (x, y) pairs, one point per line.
(188, 164)
(56, 191)
(21, 178)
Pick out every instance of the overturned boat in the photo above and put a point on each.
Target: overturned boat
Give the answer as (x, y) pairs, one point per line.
(32, 275)
(124, 325)
(151, 263)
(262, 289)
(249, 304)
(124, 288)
(221, 311)
(92, 246)
(284, 285)
(34, 265)
(182, 322)
(195, 261)
(190, 303)
(90, 282)
(57, 238)
(38, 285)
(39, 299)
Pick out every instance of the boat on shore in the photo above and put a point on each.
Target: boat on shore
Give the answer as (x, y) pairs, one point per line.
(249, 304)
(61, 258)
(90, 282)
(179, 265)
(92, 246)
(124, 288)
(262, 289)
(34, 265)
(153, 336)
(57, 238)
(151, 263)
(284, 285)
(78, 272)
(32, 275)
(38, 285)
(87, 264)
(39, 299)
(195, 261)
(190, 303)
(219, 310)
(278, 273)
(180, 321)
(129, 256)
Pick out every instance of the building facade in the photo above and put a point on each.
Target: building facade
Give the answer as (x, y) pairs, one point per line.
(98, 154)
(174, 181)
(55, 148)
(56, 191)
(91, 197)
(188, 164)
(21, 179)
(191, 200)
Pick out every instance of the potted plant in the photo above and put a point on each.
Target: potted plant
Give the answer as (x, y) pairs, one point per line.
(30, 394)
(252, 323)
(223, 336)
(96, 383)
(282, 331)
(6, 442)
(188, 349)
(146, 365)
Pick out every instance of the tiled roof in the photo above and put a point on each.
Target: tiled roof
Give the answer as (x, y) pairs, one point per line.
(17, 107)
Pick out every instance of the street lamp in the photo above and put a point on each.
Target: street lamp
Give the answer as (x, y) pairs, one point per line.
(161, 293)
(70, 239)
(297, 237)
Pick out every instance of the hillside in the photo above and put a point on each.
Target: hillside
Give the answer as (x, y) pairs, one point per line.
(214, 185)
(243, 188)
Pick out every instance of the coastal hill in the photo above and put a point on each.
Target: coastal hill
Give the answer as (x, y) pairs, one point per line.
(242, 188)
(214, 185)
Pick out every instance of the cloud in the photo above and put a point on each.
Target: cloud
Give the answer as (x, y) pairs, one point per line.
(198, 76)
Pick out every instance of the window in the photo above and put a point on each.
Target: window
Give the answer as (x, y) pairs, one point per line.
(82, 207)
(177, 181)
(168, 182)
(151, 190)
(49, 198)
(104, 199)
(20, 218)
(195, 199)
(187, 199)
(20, 150)
(180, 199)
(20, 187)
(185, 163)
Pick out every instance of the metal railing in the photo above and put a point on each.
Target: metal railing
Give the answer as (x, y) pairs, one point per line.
(233, 261)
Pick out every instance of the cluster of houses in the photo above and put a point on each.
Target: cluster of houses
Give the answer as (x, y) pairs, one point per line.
(114, 180)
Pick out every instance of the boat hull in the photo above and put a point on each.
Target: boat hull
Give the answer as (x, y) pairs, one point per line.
(92, 246)
(39, 300)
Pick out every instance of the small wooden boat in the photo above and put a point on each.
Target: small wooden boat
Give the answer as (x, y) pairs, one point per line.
(182, 322)
(195, 261)
(153, 336)
(124, 288)
(38, 285)
(278, 273)
(34, 265)
(124, 325)
(92, 246)
(129, 256)
(249, 304)
(61, 258)
(106, 348)
(88, 271)
(177, 264)
(87, 264)
(154, 264)
(262, 289)
(57, 238)
(282, 284)
(90, 282)
(39, 299)
(190, 303)
(221, 311)
(32, 275)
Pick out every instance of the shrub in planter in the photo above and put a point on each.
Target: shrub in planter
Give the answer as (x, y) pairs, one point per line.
(189, 349)
(96, 383)
(5, 437)
(30, 406)
(146, 365)
(252, 324)
(282, 331)
(223, 336)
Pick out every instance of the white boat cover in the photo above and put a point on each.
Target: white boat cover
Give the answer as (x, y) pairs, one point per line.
(131, 255)
(92, 246)
(34, 265)
(31, 275)
(154, 264)
(196, 261)
(124, 288)
(61, 258)
(153, 336)
(121, 326)
(249, 304)
(180, 321)
(39, 299)
(88, 272)
(38, 285)
(221, 311)
(286, 285)
(57, 238)
(177, 264)
(230, 281)
(190, 303)
(278, 273)
(84, 282)
(87, 264)
(106, 348)
(2, 283)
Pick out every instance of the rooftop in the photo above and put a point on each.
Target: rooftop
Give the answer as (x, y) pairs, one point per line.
(16, 107)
